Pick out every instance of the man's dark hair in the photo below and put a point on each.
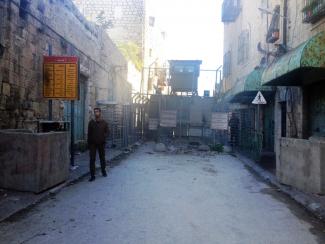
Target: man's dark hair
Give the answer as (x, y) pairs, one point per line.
(97, 109)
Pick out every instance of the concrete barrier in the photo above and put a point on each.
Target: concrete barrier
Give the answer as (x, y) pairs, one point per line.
(302, 164)
(33, 161)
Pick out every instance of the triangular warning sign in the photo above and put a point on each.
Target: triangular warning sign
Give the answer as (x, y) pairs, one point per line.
(259, 99)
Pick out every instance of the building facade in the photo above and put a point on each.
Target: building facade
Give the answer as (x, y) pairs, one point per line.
(285, 53)
(246, 25)
(33, 29)
(299, 77)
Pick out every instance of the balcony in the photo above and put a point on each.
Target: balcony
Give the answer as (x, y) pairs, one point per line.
(313, 11)
(230, 10)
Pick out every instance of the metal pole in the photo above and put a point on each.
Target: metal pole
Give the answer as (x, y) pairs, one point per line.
(50, 104)
(180, 118)
(258, 118)
(148, 82)
(72, 135)
(142, 81)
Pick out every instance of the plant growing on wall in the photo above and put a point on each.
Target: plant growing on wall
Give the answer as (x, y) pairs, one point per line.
(132, 52)
(103, 21)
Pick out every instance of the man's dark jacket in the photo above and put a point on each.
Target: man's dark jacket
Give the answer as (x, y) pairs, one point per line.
(97, 132)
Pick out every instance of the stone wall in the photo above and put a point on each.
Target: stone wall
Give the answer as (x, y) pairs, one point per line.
(27, 35)
(127, 18)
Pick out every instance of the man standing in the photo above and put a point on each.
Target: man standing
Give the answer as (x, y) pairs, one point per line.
(97, 133)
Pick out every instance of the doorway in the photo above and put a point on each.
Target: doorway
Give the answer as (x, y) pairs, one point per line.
(79, 112)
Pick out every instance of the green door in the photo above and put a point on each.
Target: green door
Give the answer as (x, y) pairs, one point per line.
(79, 114)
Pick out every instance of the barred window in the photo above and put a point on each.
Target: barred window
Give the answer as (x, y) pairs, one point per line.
(243, 47)
(227, 64)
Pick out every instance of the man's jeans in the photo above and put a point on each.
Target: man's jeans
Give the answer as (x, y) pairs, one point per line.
(92, 155)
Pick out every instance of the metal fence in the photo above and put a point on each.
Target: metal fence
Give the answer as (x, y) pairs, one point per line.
(123, 125)
(249, 140)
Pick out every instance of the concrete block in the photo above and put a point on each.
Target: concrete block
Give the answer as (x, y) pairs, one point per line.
(227, 149)
(204, 148)
(160, 147)
(33, 161)
(301, 164)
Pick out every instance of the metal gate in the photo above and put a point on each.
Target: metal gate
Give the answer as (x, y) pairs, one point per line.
(250, 140)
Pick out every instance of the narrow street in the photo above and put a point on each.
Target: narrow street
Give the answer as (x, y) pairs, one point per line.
(150, 197)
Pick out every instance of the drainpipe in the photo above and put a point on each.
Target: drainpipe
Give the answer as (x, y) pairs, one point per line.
(285, 22)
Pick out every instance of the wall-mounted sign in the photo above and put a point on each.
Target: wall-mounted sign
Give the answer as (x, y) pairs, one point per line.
(219, 121)
(168, 118)
(259, 99)
(60, 78)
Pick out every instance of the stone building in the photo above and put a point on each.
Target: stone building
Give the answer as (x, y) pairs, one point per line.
(30, 30)
(126, 17)
(136, 31)
(299, 75)
(246, 25)
(155, 61)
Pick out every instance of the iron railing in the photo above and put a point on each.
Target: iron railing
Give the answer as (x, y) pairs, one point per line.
(313, 11)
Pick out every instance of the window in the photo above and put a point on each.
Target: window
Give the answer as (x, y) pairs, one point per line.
(190, 69)
(23, 8)
(243, 47)
(227, 64)
(151, 21)
(179, 69)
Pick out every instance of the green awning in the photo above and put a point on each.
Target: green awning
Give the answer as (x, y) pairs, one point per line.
(245, 92)
(300, 66)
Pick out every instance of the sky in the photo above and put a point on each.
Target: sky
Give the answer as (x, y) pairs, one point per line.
(194, 31)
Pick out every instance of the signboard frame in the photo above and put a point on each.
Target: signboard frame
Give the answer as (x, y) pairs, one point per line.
(64, 74)
(168, 118)
(219, 121)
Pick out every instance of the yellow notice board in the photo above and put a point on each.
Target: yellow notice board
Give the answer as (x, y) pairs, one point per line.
(60, 78)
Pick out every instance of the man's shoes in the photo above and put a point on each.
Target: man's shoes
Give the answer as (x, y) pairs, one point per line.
(92, 178)
(104, 174)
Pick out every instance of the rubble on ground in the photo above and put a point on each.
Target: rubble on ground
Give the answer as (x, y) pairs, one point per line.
(160, 147)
